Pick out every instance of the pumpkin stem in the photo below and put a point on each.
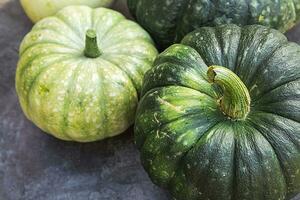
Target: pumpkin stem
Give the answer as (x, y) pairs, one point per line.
(91, 47)
(235, 101)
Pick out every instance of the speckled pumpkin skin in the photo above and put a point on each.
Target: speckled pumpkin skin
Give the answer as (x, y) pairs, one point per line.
(78, 98)
(39, 9)
(191, 148)
(169, 20)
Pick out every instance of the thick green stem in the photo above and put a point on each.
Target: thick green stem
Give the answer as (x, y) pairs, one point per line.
(235, 101)
(91, 47)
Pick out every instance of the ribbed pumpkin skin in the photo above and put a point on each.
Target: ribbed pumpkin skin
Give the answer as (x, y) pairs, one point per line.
(74, 97)
(191, 148)
(39, 9)
(169, 20)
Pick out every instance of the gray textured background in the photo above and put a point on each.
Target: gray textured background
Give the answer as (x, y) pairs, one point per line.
(35, 166)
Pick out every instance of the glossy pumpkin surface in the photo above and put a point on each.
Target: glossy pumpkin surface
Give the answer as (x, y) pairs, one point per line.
(39, 9)
(220, 116)
(80, 73)
(169, 20)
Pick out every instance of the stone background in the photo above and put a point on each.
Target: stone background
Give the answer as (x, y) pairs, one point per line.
(35, 166)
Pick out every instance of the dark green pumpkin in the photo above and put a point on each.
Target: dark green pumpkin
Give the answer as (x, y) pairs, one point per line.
(210, 132)
(170, 20)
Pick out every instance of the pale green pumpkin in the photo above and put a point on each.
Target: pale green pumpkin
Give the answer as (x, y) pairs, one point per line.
(39, 9)
(80, 73)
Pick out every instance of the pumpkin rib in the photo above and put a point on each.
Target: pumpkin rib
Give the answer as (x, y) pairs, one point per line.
(114, 45)
(277, 157)
(66, 107)
(260, 31)
(67, 24)
(116, 23)
(192, 147)
(38, 74)
(57, 45)
(265, 60)
(138, 77)
(241, 48)
(257, 144)
(179, 62)
(57, 32)
(220, 39)
(274, 88)
(20, 76)
(39, 112)
(279, 115)
(183, 154)
(165, 124)
(125, 72)
(184, 86)
(278, 88)
(30, 61)
(42, 71)
(289, 165)
(49, 42)
(63, 23)
(102, 98)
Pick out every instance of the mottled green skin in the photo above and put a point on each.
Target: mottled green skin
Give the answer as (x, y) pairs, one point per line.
(191, 148)
(169, 20)
(74, 97)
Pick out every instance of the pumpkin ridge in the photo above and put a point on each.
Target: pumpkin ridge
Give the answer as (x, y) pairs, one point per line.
(257, 101)
(30, 47)
(274, 88)
(31, 91)
(245, 35)
(120, 68)
(116, 23)
(66, 105)
(184, 86)
(179, 62)
(290, 138)
(43, 70)
(104, 99)
(259, 65)
(253, 140)
(153, 131)
(277, 157)
(181, 161)
(57, 32)
(30, 61)
(74, 31)
(267, 58)
(49, 42)
(139, 72)
(220, 39)
(71, 30)
(279, 115)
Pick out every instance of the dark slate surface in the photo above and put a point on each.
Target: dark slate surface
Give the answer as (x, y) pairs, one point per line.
(35, 166)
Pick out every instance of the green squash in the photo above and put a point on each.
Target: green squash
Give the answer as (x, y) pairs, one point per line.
(80, 73)
(169, 20)
(39, 9)
(219, 116)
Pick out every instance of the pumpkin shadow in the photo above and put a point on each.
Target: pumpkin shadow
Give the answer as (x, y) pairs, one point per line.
(294, 36)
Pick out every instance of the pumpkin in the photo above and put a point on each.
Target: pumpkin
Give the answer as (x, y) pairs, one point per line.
(39, 9)
(80, 73)
(170, 20)
(219, 116)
